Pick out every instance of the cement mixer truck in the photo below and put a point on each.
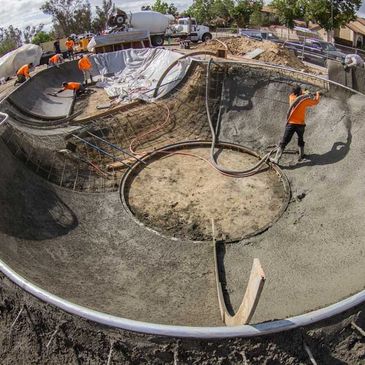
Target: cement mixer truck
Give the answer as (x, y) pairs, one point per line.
(158, 25)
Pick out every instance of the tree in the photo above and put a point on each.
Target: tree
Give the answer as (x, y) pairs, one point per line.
(201, 10)
(172, 9)
(160, 6)
(223, 9)
(42, 37)
(71, 16)
(146, 7)
(102, 15)
(320, 11)
(289, 10)
(244, 9)
(10, 39)
(30, 31)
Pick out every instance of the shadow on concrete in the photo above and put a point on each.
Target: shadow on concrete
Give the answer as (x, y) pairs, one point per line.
(337, 153)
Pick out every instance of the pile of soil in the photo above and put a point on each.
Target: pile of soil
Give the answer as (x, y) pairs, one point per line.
(273, 53)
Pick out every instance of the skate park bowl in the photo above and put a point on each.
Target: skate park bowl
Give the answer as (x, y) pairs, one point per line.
(67, 238)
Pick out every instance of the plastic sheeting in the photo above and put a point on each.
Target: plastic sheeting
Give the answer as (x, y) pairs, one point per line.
(12, 61)
(134, 73)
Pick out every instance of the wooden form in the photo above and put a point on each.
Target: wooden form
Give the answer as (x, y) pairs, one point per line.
(252, 295)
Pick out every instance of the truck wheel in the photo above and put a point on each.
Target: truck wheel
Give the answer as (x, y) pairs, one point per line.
(157, 40)
(206, 37)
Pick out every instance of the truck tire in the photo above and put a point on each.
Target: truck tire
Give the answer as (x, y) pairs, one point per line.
(206, 37)
(157, 40)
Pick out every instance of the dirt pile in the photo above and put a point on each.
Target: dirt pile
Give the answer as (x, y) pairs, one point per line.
(273, 53)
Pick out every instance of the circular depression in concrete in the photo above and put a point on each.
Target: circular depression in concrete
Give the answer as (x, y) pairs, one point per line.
(177, 192)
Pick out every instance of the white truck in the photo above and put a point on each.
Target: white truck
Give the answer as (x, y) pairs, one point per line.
(160, 26)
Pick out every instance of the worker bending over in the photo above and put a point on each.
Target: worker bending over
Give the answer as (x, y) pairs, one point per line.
(85, 66)
(23, 73)
(352, 61)
(70, 44)
(55, 60)
(77, 88)
(299, 102)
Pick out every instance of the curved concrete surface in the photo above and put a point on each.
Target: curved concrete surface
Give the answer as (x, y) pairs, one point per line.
(33, 97)
(86, 248)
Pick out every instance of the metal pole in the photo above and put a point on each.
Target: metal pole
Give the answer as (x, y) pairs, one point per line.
(332, 30)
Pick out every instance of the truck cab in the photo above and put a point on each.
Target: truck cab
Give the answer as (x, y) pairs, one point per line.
(196, 31)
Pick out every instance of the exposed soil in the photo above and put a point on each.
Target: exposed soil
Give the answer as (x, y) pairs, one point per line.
(273, 53)
(43, 334)
(179, 195)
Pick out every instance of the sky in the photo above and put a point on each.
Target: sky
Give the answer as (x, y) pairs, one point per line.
(21, 13)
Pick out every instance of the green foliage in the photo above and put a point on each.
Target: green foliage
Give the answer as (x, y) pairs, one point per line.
(162, 7)
(69, 16)
(42, 37)
(29, 32)
(10, 39)
(103, 13)
(244, 9)
(289, 10)
(319, 11)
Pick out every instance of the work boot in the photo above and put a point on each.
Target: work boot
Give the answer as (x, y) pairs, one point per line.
(91, 79)
(277, 157)
(301, 153)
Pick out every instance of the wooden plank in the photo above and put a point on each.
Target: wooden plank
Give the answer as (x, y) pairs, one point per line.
(252, 295)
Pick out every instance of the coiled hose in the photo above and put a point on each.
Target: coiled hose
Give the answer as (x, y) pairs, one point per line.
(243, 173)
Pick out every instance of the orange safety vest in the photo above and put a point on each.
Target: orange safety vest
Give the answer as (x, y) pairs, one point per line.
(54, 59)
(84, 64)
(24, 70)
(69, 45)
(72, 86)
(297, 115)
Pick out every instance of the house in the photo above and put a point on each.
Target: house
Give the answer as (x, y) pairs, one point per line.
(269, 14)
(352, 34)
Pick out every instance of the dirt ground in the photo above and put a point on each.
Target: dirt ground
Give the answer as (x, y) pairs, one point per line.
(273, 53)
(43, 334)
(179, 195)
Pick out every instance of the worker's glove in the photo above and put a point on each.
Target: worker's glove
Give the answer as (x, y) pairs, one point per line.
(345, 67)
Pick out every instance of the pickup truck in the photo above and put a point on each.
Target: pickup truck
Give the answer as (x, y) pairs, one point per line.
(259, 35)
(316, 51)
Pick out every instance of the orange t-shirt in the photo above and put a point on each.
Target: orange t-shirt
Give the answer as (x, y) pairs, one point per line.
(84, 64)
(298, 114)
(70, 44)
(72, 86)
(24, 70)
(55, 59)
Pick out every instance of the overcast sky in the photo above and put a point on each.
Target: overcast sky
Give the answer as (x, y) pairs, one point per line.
(21, 13)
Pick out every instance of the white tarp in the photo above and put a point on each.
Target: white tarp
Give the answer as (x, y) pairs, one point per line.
(134, 73)
(12, 61)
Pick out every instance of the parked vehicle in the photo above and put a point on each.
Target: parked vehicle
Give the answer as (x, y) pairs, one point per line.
(316, 51)
(195, 31)
(259, 35)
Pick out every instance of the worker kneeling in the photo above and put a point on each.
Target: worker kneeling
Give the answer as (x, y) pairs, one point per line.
(85, 66)
(77, 88)
(352, 61)
(23, 73)
(299, 102)
(55, 60)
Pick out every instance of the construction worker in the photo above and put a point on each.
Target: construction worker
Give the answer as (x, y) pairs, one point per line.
(77, 88)
(299, 102)
(352, 61)
(55, 60)
(23, 73)
(70, 44)
(85, 66)
(56, 46)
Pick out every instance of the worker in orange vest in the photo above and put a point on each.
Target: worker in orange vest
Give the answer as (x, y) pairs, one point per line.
(85, 66)
(70, 44)
(299, 102)
(55, 60)
(23, 73)
(77, 88)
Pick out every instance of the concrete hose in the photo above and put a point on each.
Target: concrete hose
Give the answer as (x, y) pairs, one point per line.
(243, 173)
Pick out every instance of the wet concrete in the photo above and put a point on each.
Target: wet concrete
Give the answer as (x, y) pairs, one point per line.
(85, 248)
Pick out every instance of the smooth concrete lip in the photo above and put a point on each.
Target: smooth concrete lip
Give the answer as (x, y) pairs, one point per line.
(184, 331)
(123, 186)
